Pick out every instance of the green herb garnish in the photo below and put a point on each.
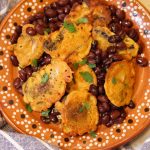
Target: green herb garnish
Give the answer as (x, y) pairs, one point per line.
(45, 78)
(35, 63)
(92, 134)
(47, 31)
(69, 26)
(82, 20)
(91, 65)
(114, 81)
(83, 62)
(45, 113)
(87, 76)
(28, 107)
(85, 105)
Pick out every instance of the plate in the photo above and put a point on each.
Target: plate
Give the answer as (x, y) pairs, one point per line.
(14, 110)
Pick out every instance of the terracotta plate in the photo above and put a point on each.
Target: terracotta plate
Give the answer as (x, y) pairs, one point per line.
(14, 110)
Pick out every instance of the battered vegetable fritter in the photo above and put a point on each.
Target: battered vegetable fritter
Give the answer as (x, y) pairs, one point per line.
(79, 113)
(47, 85)
(119, 83)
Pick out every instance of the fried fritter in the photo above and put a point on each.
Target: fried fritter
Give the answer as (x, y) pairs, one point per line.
(119, 83)
(79, 113)
(28, 47)
(101, 34)
(79, 83)
(47, 85)
(63, 44)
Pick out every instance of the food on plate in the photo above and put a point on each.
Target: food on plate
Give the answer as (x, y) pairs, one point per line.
(47, 85)
(84, 76)
(28, 47)
(79, 113)
(77, 64)
(119, 83)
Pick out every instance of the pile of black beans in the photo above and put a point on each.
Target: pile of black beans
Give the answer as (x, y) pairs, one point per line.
(109, 114)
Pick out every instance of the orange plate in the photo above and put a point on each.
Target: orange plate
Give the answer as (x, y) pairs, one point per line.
(29, 123)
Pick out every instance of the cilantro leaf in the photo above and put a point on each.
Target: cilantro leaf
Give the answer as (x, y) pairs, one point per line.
(82, 20)
(45, 78)
(47, 31)
(83, 62)
(81, 109)
(114, 81)
(45, 113)
(92, 134)
(35, 63)
(87, 76)
(76, 65)
(91, 65)
(69, 26)
(28, 108)
(86, 105)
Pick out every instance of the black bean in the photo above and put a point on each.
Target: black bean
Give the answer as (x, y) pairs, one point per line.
(114, 39)
(127, 23)
(123, 114)
(105, 119)
(115, 114)
(50, 13)
(31, 19)
(23, 75)
(133, 34)
(39, 29)
(54, 5)
(98, 52)
(111, 49)
(121, 46)
(67, 9)
(113, 107)
(91, 55)
(119, 120)
(28, 71)
(20, 91)
(53, 20)
(142, 61)
(18, 29)
(109, 124)
(45, 120)
(72, 2)
(141, 48)
(104, 55)
(114, 19)
(39, 16)
(63, 2)
(115, 27)
(131, 105)
(17, 83)
(121, 34)
(102, 98)
(93, 89)
(53, 118)
(101, 76)
(101, 109)
(45, 60)
(14, 60)
(106, 106)
(31, 31)
(101, 90)
(91, 61)
(14, 38)
(112, 9)
(97, 70)
(107, 62)
(117, 57)
(120, 14)
(53, 27)
(60, 11)
(41, 22)
(61, 17)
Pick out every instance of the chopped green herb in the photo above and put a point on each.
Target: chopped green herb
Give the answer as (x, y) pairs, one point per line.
(47, 31)
(34, 62)
(82, 20)
(69, 26)
(76, 65)
(92, 134)
(91, 65)
(28, 107)
(81, 109)
(83, 62)
(114, 81)
(45, 113)
(86, 105)
(87, 76)
(45, 78)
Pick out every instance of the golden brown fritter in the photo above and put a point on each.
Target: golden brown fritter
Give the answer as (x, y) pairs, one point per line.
(28, 47)
(63, 44)
(79, 83)
(79, 113)
(119, 82)
(47, 85)
(101, 34)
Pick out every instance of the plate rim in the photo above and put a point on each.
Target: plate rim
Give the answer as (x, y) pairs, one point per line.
(122, 142)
